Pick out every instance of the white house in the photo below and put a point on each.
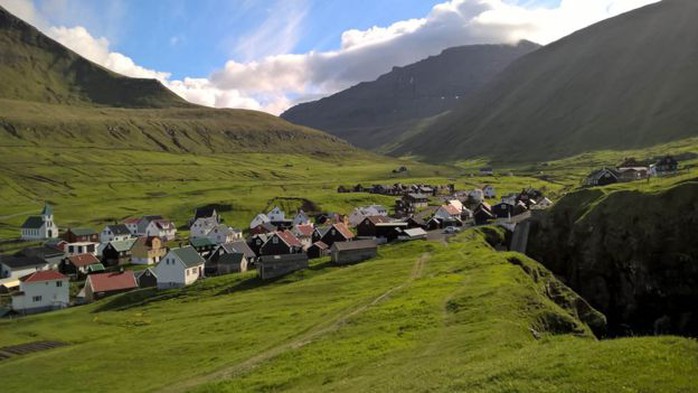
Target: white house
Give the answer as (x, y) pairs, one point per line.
(301, 218)
(221, 234)
(81, 248)
(16, 267)
(489, 191)
(132, 225)
(179, 268)
(118, 232)
(259, 220)
(164, 229)
(42, 291)
(447, 212)
(40, 227)
(202, 226)
(276, 215)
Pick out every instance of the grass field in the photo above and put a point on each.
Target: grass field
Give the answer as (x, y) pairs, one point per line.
(421, 317)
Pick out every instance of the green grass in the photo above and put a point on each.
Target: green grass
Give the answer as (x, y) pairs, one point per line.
(421, 317)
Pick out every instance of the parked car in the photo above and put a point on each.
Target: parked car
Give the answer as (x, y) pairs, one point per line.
(451, 229)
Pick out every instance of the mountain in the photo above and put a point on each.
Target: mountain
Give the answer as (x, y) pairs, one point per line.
(373, 114)
(50, 96)
(626, 82)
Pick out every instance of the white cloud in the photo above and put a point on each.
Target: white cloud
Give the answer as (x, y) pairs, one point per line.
(271, 79)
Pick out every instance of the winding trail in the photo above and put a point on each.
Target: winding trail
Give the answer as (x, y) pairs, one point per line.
(300, 341)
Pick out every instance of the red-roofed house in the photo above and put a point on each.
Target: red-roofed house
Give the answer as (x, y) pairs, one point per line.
(102, 285)
(78, 264)
(41, 291)
(336, 233)
(304, 233)
(280, 243)
(447, 211)
(132, 225)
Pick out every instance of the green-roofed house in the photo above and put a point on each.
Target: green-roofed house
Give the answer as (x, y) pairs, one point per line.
(118, 252)
(203, 245)
(40, 227)
(179, 268)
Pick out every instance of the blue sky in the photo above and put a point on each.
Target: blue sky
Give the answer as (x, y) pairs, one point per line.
(270, 54)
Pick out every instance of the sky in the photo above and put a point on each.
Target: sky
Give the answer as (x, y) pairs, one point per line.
(271, 54)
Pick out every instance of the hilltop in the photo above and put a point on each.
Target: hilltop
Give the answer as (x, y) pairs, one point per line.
(375, 114)
(627, 82)
(52, 97)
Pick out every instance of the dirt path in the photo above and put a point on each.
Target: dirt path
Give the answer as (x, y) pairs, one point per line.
(302, 340)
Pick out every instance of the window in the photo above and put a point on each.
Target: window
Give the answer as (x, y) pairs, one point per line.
(187, 272)
(36, 299)
(59, 284)
(275, 240)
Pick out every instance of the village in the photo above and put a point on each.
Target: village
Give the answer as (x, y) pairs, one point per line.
(148, 251)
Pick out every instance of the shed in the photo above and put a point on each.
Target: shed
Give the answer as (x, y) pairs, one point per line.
(344, 253)
(272, 266)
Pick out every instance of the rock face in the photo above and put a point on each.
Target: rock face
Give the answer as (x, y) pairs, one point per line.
(633, 256)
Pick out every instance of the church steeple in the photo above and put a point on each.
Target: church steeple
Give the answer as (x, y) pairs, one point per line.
(47, 212)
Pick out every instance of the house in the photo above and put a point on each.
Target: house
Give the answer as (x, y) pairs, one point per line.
(77, 265)
(164, 229)
(144, 222)
(447, 211)
(203, 246)
(41, 291)
(40, 227)
(317, 250)
(367, 226)
(602, 177)
(503, 210)
(8, 285)
(483, 213)
(52, 256)
(264, 228)
(489, 192)
(222, 233)
(17, 266)
(486, 171)
(416, 200)
(281, 242)
(258, 220)
(301, 219)
(146, 278)
(457, 204)
(227, 263)
(118, 252)
(98, 286)
(80, 248)
(413, 234)
(117, 232)
(179, 268)
(476, 196)
(351, 252)
(276, 215)
(205, 219)
(147, 250)
(132, 225)
(255, 242)
(237, 247)
(272, 266)
(81, 235)
(466, 214)
(331, 218)
(333, 233)
(304, 233)
(665, 166)
(360, 213)
(633, 174)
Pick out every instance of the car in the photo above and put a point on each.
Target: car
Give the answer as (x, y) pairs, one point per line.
(451, 229)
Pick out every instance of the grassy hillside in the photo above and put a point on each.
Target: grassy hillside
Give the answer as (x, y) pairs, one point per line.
(620, 84)
(423, 316)
(378, 113)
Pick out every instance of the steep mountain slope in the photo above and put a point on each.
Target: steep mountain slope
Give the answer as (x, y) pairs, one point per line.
(626, 82)
(50, 96)
(372, 114)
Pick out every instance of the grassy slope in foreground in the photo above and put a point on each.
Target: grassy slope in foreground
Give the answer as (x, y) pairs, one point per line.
(423, 316)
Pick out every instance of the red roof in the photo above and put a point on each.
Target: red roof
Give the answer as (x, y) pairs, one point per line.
(344, 230)
(377, 219)
(288, 238)
(107, 282)
(321, 245)
(83, 260)
(450, 209)
(305, 230)
(131, 221)
(44, 275)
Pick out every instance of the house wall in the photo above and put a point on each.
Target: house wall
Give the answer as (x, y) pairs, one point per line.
(54, 294)
(272, 248)
(353, 256)
(9, 273)
(269, 270)
(170, 273)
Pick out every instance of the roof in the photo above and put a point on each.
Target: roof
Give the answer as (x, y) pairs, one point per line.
(239, 247)
(109, 282)
(305, 230)
(164, 224)
(83, 260)
(288, 238)
(119, 229)
(47, 210)
(9, 283)
(415, 232)
(201, 242)
(450, 209)
(139, 273)
(147, 240)
(188, 256)
(231, 259)
(204, 212)
(82, 231)
(15, 262)
(599, 172)
(354, 245)
(417, 196)
(377, 219)
(321, 245)
(33, 222)
(344, 230)
(131, 220)
(97, 267)
(123, 245)
(44, 275)
(43, 252)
